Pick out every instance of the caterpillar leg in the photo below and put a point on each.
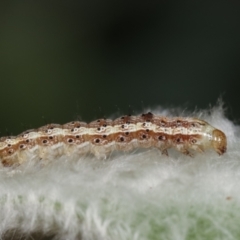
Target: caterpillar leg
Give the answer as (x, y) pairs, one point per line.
(164, 152)
(199, 149)
(186, 152)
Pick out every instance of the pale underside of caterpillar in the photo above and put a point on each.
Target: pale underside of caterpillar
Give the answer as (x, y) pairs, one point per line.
(103, 136)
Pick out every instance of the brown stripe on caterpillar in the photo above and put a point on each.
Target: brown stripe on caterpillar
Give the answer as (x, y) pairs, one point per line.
(105, 135)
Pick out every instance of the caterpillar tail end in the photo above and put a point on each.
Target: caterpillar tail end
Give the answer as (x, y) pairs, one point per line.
(219, 141)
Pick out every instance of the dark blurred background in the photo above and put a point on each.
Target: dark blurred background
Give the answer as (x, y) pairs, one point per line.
(67, 60)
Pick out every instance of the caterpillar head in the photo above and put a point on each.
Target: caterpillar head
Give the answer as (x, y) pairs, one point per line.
(219, 141)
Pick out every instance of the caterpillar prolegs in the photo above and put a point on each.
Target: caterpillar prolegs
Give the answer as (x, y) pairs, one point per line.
(103, 136)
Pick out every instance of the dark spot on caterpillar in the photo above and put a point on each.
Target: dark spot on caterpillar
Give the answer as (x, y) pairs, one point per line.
(77, 136)
(9, 145)
(144, 136)
(10, 151)
(50, 137)
(98, 128)
(193, 141)
(104, 136)
(179, 140)
(126, 133)
(161, 138)
(98, 120)
(45, 141)
(123, 126)
(70, 140)
(121, 139)
(104, 125)
(72, 130)
(147, 130)
(21, 146)
(122, 117)
(97, 140)
(27, 141)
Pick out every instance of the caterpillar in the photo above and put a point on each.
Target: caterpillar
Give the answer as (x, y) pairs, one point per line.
(103, 136)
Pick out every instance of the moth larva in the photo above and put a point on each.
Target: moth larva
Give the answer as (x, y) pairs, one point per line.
(103, 136)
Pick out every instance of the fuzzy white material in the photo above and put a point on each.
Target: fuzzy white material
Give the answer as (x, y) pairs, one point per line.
(129, 196)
